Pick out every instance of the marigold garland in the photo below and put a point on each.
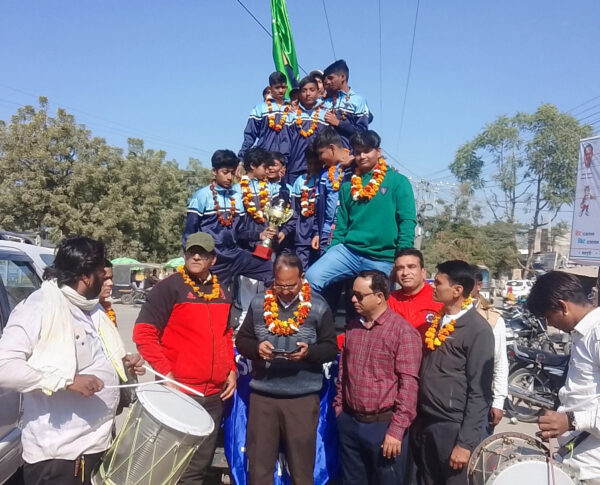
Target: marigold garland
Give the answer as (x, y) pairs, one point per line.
(216, 288)
(313, 127)
(248, 199)
(277, 126)
(224, 222)
(291, 325)
(336, 182)
(435, 338)
(110, 313)
(307, 202)
(367, 193)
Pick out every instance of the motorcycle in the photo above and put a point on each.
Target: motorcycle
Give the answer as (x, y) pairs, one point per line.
(137, 296)
(534, 380)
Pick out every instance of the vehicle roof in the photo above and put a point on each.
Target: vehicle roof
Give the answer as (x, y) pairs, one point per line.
(13, 254)
(26, 248)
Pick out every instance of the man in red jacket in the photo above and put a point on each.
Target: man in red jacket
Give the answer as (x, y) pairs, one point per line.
(414, 301)
(183, 332)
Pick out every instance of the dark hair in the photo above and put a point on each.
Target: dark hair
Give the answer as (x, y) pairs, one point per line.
(411, 252)
(311, 152)
(294, 94)
(477, 273)
(287, 260)
(316, 75)
(255, 157)
(589, 145)
(266, 90)
(277, 78)
(224, 159)
(279, 157)
(107, 263)
(365, 139)
(458, 273)
(76, 257)
(380, 282)
(328, 136)
(338, 67)
(307, 80)
(552, 287)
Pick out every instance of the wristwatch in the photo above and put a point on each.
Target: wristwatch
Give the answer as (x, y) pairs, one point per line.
(571, 418)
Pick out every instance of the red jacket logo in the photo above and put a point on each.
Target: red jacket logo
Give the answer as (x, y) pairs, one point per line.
(191, 296)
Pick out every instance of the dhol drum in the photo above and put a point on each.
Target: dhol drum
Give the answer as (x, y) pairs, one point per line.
(515, 458)
(161, 433)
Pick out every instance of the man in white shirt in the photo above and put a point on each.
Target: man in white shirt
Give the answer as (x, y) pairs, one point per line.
(65, 355)
(500, 379)
(561, 298)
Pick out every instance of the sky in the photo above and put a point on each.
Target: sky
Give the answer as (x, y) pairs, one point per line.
(184, 75)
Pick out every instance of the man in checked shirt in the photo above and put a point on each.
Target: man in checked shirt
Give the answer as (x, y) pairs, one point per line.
(377, 386)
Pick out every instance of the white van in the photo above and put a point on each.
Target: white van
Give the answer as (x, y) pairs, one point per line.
(40, 256)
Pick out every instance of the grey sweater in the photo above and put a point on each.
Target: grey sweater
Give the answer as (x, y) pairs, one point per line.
(282, 377)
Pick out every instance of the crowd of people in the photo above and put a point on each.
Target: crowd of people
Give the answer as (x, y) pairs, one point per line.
(422, 368)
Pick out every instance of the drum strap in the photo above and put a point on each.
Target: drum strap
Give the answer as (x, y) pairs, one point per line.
(568, 447)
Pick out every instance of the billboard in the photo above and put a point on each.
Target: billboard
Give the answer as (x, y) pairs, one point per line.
(585, 235)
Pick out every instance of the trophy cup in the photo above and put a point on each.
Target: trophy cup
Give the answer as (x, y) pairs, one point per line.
(276, 214)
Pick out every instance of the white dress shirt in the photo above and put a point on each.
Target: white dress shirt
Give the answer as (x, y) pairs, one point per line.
(581, 395)
(65, 424)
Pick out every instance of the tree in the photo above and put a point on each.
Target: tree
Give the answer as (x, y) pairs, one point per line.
(532, 159)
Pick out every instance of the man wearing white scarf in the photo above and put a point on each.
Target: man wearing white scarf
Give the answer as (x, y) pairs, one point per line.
(60, 350)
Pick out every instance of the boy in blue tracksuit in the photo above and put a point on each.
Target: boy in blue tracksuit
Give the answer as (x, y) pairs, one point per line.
(218, 210)
(339, 167)
(346, 110)
(265, 127)
(303, 126)
(279, 189)
(305, 194)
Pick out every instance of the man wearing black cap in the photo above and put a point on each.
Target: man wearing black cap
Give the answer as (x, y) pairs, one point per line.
(183, 332)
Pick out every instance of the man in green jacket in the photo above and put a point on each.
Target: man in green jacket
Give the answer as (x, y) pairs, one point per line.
(376, 217)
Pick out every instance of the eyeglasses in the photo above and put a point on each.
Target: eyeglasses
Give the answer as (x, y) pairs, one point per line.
(285, 287)
(201, 257)
(361, 296)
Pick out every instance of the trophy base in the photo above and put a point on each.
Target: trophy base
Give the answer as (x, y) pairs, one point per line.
(262, 252)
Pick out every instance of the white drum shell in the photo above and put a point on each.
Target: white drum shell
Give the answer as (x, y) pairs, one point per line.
(532, 470)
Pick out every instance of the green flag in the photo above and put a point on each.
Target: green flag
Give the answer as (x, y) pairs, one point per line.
(284, 52)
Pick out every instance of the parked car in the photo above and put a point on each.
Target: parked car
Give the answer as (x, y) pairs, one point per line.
(519, 288)
(18, 279)
(40, 256)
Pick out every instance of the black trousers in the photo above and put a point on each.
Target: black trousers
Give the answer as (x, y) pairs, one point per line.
(432, 445)
(361, 454)
(291, 420)
(195, 473)
(61, 472)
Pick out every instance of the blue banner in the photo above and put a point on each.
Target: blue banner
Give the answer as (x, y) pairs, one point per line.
(327, 465)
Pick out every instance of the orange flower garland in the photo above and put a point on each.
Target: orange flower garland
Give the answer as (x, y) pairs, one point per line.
(216, 289)
(248, 199)
(110, 313)
(336, 182)
(307, 202)
(358, 192)
(279, 126)
(291, 325)
(435, 338)
(313, 127)
(224, 222)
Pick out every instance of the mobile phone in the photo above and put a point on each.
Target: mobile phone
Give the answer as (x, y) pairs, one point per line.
(285, 352)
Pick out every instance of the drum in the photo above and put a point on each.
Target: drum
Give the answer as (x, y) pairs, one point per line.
(162, 431)
(511, 458)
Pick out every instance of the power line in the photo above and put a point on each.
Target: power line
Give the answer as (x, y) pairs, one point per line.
(329, 30)
(594, 106)
(412, 47)
(583, 104)
(265, 29)
(380, 65)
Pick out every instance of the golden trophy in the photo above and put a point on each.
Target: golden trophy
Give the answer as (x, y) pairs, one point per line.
(276, 214)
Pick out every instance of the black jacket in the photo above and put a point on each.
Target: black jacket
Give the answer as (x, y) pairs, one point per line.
(456, 379)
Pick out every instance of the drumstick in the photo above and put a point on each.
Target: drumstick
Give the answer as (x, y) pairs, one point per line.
(173, 381)
(135, 384)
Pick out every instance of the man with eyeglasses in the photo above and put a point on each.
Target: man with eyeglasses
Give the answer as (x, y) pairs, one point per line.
(182, 331)
(377, 386)
(288, 334)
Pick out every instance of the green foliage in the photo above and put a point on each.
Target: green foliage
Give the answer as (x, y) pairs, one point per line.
(58, 181)
(455, 233)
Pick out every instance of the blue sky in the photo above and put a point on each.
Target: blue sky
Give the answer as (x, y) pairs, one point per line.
(184, 75)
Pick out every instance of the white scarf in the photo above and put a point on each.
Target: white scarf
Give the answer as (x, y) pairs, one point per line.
(54, 354)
